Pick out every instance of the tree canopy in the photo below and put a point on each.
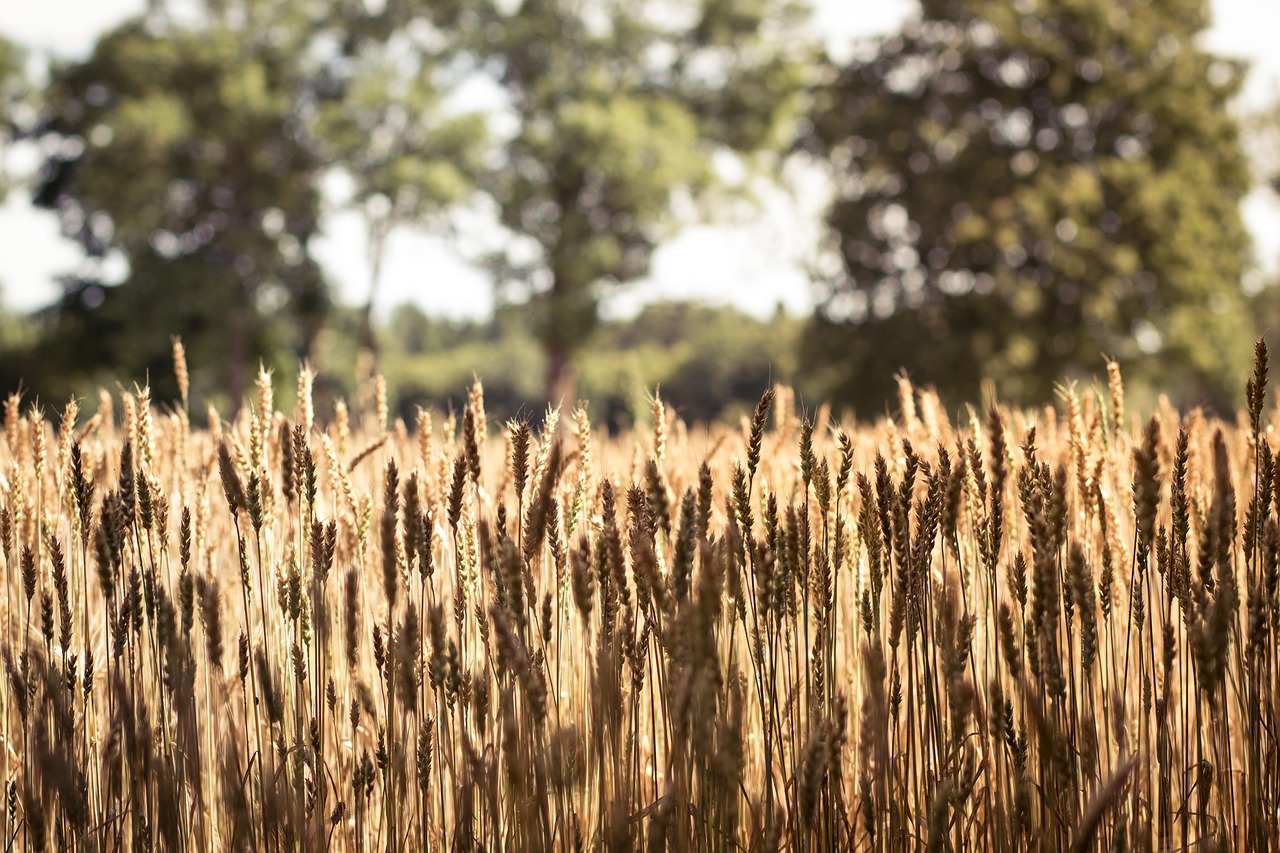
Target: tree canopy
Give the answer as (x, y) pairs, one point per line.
(614, 111)
(1022, 186)
(195, 152)
(198, 143)
(1018, 188)
(182, 150)
(14, 91)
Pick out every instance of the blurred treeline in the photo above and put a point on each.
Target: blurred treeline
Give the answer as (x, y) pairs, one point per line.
(1013, 190)
(706, 361)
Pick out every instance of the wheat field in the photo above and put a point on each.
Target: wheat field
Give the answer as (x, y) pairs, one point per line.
(1026, 630)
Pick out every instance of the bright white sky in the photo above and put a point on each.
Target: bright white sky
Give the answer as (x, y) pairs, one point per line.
(755, 263)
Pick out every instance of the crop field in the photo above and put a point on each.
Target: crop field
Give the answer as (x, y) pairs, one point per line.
(1041, 630)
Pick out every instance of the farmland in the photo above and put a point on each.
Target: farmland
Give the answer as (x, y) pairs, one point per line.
(1010, 629)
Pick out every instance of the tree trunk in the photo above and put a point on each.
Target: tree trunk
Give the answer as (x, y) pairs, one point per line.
(563, 335)
(562, 378)
(377, 232)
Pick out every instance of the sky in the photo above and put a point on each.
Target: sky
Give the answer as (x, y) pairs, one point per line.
(755, 262)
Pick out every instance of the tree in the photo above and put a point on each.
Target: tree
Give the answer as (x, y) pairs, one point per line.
(613, 110)
(409, 159)
(194, 146)
(182, 150)
(1021, 186)
(1262, 133)
(14, 91)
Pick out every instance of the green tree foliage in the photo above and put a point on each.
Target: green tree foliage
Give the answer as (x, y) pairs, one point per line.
(613, 110)
(1262, 134)
(1024, 185)
(1262, 130)
(181, 149)
(15, 95)
(409, 159)
(14, 91)
(195, 148)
